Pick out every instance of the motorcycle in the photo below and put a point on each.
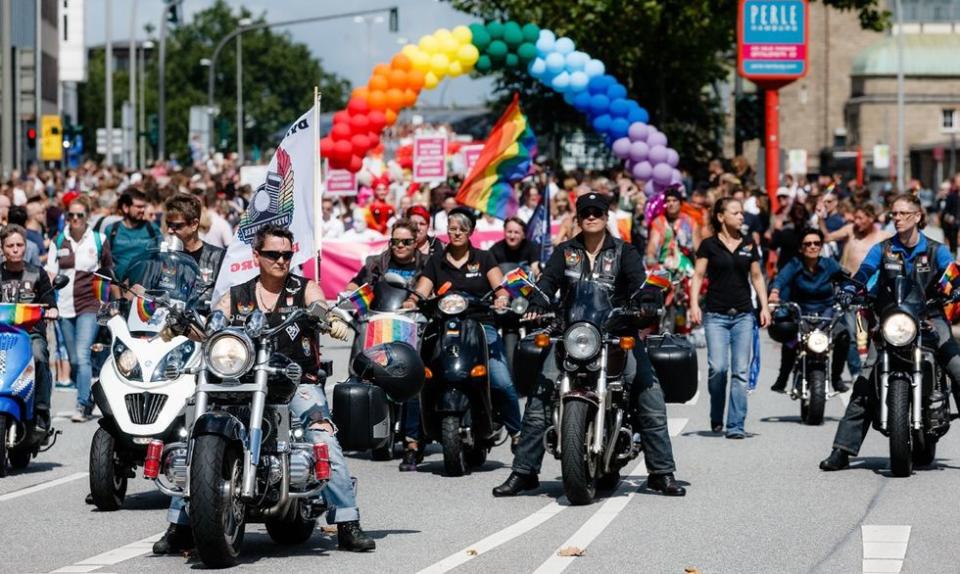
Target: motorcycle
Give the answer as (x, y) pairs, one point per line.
(244, 460)
(510, 327)
(590, 434)
(147, 379)
(814, 340)
(21, 438)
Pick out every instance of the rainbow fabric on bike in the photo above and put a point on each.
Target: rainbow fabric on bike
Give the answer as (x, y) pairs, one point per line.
(20, 314)
(389, 328)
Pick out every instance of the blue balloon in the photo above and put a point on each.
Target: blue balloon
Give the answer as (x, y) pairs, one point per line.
(576, 61)
(546, 43)
(561, 82)
(599, 104)
(619, 128)
(594, 67)
(579, 81)
(616, 91)
(599, 84)
(555, 63)
(619, 108)
(582, 101)
(601, 123)
(633, 105)
(569, 96)
(639, 115)
(565, 45)
(537, 68)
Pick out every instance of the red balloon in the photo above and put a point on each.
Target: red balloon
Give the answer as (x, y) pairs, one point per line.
(326, 147)
(377, 120)
(341, 132)
(359, 124)
(374, 140)
(357, 106)
(342, 150)
(356, 164)
(360, 144)
(341, 117)
(338, 163)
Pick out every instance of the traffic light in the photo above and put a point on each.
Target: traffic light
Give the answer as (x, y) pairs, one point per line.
(173, 12)
(32, 138)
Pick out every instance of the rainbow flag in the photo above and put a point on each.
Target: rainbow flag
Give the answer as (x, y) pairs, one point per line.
(361, 298)
(517, 283)
(506, 157)
(382, 329)
(101, 288)
(658, 279)
(21, 314)
(950, 279)
(145, 309)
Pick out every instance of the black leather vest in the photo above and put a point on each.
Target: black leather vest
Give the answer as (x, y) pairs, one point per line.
(925, 271)
(605, 269)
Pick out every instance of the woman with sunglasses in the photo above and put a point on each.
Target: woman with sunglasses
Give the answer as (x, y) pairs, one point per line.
(401, 257)
(182, 217)
(806, 280)
(78, 252)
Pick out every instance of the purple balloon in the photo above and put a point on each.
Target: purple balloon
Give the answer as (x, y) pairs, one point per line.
(638, 131)
(676, 177)
(649, 190)
(657, 139)
(628, 165)
(673, 158)
(639, 151)
(662, 174)
(658, 154)
(642, 171)
(621, 148)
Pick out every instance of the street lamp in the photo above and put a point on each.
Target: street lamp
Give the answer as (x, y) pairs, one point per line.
(370, 21)
(148, 45)
(244, 23)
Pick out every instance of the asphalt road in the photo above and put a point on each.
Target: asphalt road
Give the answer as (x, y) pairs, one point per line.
(756, 505)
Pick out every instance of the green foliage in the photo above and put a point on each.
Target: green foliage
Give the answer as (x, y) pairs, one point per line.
(278, 80)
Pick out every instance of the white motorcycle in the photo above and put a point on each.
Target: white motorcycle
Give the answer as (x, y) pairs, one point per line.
(145, 383)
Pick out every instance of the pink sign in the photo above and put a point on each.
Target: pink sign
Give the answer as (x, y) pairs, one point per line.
(429, 158)
(471, 153)
(341, 182)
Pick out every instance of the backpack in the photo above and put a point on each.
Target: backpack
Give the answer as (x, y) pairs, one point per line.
(61, 237)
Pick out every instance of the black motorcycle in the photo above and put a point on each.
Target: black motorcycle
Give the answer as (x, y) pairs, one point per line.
(510, 327)
(245, 460)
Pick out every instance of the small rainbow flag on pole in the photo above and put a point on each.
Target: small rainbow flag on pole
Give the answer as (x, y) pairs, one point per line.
(517, 282)
(101, 288)
(145, 309)
(657, 278)
(361, 298)
(506, 157)
(950, 278)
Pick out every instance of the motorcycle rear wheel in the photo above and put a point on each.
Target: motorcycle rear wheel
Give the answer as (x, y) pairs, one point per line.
(292, 528)
(454, 457)
(108, 479)
(3, 445)
(901, 457)
(217, 514)
(811, 410)
(19, 459)
(577, 464)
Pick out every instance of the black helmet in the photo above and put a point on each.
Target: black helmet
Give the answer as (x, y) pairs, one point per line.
(784, 327)
(394, 367)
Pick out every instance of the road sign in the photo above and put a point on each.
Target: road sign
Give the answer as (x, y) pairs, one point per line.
(797, 161)
(429, 158)
(116, 141)
(772, 40)
(881, 156)
(51, 142)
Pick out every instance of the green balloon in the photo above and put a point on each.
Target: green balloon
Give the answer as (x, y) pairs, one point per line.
(531, 33)
(526, 52)
(483, 64)
(512, 61)
(497, 50)
(495, 29)
(480, 37)
(512, 34)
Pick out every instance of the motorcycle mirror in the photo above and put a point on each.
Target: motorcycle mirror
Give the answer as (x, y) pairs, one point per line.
(216, 322)
(106, 311)
(317, 311)
(255, 324)
(395, 280)
(60, 281)
(519, 305)
(171, 243)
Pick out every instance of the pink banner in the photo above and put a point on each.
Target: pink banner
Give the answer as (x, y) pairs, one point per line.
(429, 158)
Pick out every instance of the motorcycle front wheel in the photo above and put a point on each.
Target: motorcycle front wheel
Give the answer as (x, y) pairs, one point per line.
(108, 477)
(901, 457)
(811, 410)
(578, 465)
(217, 513)
(454, 457)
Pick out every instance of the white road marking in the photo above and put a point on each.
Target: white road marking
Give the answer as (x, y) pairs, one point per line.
(112, 557)
(696, 397)
(602, 518)
(43, 486)
(674, 427)
(884, 548)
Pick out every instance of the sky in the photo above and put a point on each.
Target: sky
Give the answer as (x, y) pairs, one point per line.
(344, 47)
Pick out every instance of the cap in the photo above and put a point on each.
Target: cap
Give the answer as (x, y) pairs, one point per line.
(466, 211)
(69, 197)
(592, 199)
(418, 210)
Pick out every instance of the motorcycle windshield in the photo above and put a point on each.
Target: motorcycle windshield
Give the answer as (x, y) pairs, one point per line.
(588, 301)
(903, 291)
(386, 297)
(169, 272)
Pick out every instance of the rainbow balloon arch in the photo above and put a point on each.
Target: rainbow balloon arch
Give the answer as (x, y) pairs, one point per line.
(486, 48)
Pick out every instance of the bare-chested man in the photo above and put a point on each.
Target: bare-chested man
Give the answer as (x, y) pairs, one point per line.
(860, 235)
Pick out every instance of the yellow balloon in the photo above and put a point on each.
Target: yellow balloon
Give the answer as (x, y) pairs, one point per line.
(449, 46)
(429, 44)
(463, 34)
(420, 60)
(442, 34)
(430, 81)
(409, 50)
(455, 69)
(468, 55)
(439, 64)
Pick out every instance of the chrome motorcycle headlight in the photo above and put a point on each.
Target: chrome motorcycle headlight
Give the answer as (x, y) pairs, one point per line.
(818, 341)
(899, 329)
(229, 355)
(581, 341)
(453, 304)
(127, 362)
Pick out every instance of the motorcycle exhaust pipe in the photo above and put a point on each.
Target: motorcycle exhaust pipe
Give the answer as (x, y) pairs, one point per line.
(917, 407)
(612, 442)
(884, 390)
(280, 508)
(598, 426)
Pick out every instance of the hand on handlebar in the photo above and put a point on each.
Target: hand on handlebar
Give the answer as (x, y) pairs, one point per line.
(845, 298)
(338, 329)
(409, 304)
(774, 297)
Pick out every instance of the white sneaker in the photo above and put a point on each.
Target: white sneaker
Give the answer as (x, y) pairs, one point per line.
(79, 417)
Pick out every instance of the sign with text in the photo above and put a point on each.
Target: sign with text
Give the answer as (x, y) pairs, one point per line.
(881, 156)
(429, 158)
(471, 153)
(340, 182)
(772, 39)
(797, 161)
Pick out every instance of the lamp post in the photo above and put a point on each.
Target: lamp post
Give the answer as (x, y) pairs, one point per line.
(168, 5)
(108, 64)
(244, 22)
(901, 177)
(132, 69)
(369, 21)
(148, 45)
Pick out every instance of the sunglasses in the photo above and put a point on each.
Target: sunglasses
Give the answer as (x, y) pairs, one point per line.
(277, 255)
(812, 244)
(591, 212)
(403, 242)
(76, 215)
(176, 225)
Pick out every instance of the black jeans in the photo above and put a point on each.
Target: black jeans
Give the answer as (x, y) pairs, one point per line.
(43, 381)
(649, 414)
(863, 400)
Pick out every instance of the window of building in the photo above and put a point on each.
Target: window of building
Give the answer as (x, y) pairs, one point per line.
(927, 10)
(949, 120)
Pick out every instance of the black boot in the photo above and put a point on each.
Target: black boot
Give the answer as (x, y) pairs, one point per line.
(788, 357)
(517, 483)
(838, 460)
(409, 461)
(666, 484)
(352, 538)
(178, 538)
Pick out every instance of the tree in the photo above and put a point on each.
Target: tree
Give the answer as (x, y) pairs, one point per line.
(278, 79)
(670, 54)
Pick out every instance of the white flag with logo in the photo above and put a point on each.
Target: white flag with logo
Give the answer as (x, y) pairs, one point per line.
(285, 198)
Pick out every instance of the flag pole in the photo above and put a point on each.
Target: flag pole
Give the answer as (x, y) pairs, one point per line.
(318, 183)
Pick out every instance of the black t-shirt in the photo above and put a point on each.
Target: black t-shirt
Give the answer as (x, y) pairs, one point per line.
(406, 270)
(787, 243)
(471, 278)
(526, 252)
(728, 274)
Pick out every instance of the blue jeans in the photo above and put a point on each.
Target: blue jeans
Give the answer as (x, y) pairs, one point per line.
(503, 394)
(310, 405)
(80, 333)
(411, 419)
(728, 336)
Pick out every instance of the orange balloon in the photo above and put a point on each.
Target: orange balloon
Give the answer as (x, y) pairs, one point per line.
(377, 100)
(381, 70)
(415, 79)
(400, 62)
(362, 93)
(398, 79)
(391, 117)
(378, 83)
(395, 99)
(409, 97)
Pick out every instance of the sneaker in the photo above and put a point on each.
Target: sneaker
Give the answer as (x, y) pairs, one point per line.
(79, 416)
(409, 461)
(352, 538)
(178, 538)
(65, 385)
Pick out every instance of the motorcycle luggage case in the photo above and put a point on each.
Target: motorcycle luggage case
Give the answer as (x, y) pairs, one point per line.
(362, 414)
(675, 362)
(528, 361)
